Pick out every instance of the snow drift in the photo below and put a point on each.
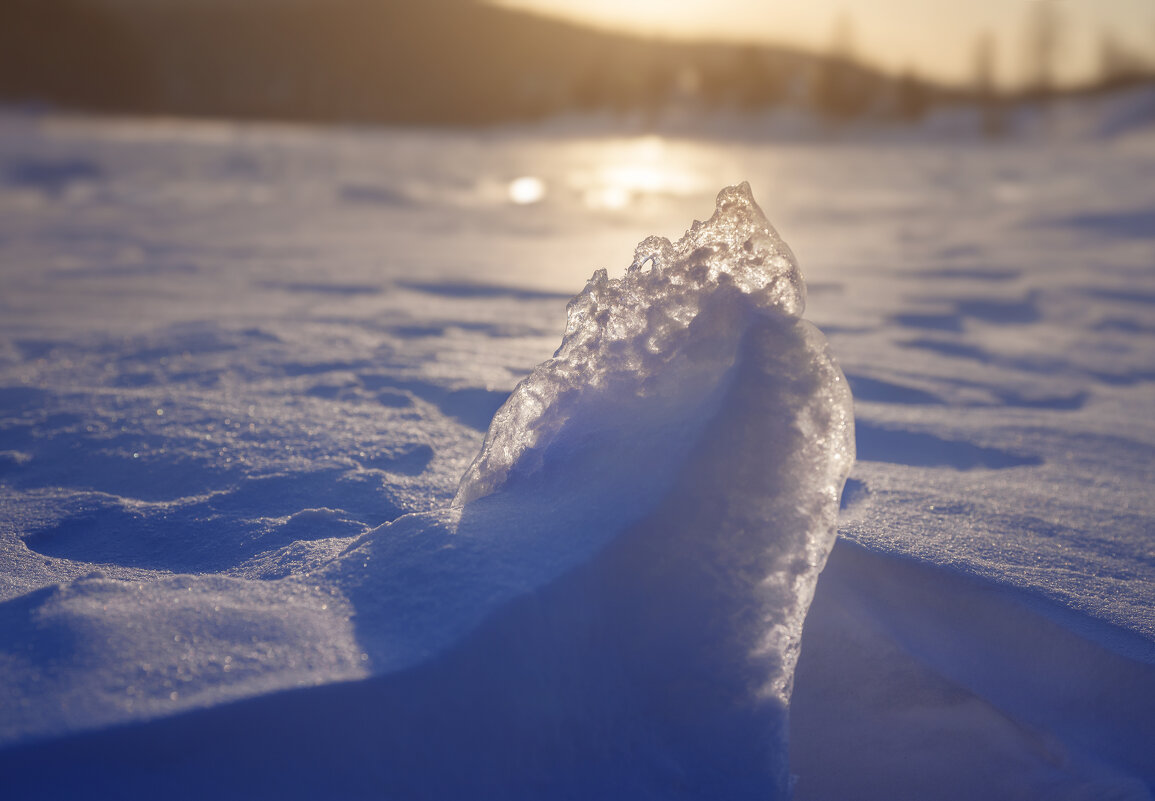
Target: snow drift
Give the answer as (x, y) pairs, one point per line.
(642, 528)
(691, 384)
(235, 599)
(613, 607)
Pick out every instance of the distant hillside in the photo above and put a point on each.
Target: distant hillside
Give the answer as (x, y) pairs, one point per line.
(397, 61)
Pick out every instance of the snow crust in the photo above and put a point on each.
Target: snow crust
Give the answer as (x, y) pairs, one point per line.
(699, 342)
(667, 484)
(243, 370)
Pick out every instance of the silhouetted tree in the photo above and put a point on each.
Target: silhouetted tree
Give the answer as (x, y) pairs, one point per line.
(839, 92)
(756, 85)
(986, 92)
(1043, 40)
(1119, 64)
(912, 96)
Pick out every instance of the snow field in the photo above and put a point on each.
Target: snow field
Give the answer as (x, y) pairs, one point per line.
(243, 368)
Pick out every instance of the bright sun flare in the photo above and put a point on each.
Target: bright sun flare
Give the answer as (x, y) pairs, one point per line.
(648, 16)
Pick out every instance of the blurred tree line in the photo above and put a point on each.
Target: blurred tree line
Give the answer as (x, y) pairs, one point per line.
(428, 62)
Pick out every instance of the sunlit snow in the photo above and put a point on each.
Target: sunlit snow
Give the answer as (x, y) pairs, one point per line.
(244, 370)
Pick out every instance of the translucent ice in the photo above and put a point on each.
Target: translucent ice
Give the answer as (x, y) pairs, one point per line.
(703, 432)
(655, 333)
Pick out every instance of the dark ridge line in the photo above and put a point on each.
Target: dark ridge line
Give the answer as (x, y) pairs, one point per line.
(452, 289)
(322, 289)
(877, 443)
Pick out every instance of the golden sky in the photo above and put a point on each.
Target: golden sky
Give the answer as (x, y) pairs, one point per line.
(934, 37)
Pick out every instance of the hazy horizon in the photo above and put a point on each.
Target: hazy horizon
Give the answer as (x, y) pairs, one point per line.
(476, 62)
(937, 40)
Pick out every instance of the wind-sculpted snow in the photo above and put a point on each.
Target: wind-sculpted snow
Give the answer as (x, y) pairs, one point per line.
(656, 502)
(662, 332)
(237, 403)
(616, 595)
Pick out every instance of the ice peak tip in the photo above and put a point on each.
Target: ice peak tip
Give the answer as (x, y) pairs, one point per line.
(739, 193)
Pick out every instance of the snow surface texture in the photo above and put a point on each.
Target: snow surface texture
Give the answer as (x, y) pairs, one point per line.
(243, 370)
(656, 501)
(649, 365)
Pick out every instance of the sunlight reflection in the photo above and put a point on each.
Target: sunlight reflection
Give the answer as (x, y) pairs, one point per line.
(633, 171)
(527, 189)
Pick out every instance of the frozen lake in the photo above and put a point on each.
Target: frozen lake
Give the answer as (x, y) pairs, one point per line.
(229, 352)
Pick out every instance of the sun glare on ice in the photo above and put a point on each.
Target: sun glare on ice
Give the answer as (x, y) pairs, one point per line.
(527, 189)
(635, 169)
